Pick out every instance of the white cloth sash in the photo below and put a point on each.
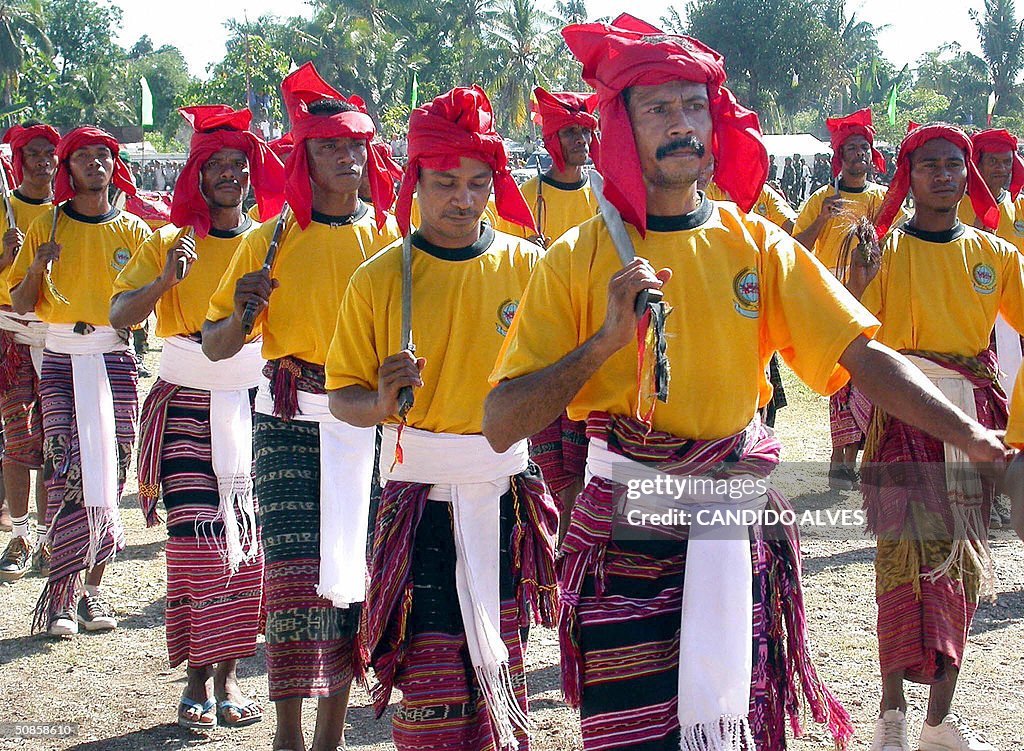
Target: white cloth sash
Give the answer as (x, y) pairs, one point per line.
(346, 474)
(1008, 353)
(97, 429)
(27, 329)
(183, 363)
(963, 483)
(466, 472)
(716, 631)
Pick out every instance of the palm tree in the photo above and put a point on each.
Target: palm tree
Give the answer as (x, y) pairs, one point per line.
(525, 39)
(21, 31)
(1001, 36)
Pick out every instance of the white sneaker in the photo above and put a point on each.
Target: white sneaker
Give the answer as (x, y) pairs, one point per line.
(891, 732)
(63, 625)
(953, 734)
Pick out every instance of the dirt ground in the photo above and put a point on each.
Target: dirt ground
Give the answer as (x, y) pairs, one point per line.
(119, 690)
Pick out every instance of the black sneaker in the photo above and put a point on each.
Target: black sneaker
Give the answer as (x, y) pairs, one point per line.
(95, 613)
(15, 561)
(839, 478)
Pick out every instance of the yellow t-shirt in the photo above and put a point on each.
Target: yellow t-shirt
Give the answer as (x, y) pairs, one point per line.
(741, 289)
(860, 203)
(182, 309)
(313, 267)
(943, 295)
(771, 205)
(93, 252)
(26, 210)
(565, 205)
(1015, 426)
(463, 303)
(1011, 219)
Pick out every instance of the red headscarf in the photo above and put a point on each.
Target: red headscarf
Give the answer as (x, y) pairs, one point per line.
(18, 136)
(301, 88)
(217, 127)
(629, 52)
(282, 146)
(1000, 142)
(387, 158)
(460, 124)
(77, 139)
(985, 206)
(857, 124)
(563, 110)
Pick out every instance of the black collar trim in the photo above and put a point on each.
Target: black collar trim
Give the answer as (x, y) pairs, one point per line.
(227, 234)
(843, 188)
(679, 222)
(71, 213)
(31, 201)
(946, 236)
(340, 221)
(457, 254)
(564, 186)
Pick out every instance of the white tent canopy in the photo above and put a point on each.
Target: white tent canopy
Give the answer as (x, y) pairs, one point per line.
(803, 144)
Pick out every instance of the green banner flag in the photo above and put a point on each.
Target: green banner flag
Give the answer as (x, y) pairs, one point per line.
(414, 97)
(891, 99)
(147, 102)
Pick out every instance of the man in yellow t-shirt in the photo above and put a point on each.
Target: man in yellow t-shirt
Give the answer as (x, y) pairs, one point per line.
(454, 515)
(936, 286)
(314, 526)
(561, 199)
(65, 272)
(195, 444)
(33, 148)
(823, 226)
(740, 289)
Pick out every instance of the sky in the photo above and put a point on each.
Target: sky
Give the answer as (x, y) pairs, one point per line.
(196, 27)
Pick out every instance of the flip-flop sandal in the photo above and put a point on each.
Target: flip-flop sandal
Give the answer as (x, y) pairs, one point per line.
(243, 719)
(204, 708)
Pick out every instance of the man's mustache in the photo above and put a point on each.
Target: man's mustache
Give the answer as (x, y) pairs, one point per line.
(688, 142)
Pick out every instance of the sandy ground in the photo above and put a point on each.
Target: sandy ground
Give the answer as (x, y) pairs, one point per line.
(119, 690)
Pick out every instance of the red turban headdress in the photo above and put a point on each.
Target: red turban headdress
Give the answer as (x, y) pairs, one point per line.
(18, 136)
(857, 124)
(387, 158)
(301, 88)
(217, 127)
(985, 206)
(77, 139)
(563, 110)
(629, 52)
(460, 124)
(1000, 142)
(282, 146)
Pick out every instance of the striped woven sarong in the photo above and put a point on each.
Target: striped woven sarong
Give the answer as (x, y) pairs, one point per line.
(66, 513)
(414, 632)
(19, 404)
(212, 615)
(923, 625)
(848, 413)
(310, 643)
(620, 614)
(560, 450)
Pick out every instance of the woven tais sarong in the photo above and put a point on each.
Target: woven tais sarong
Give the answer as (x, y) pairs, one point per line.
(310, 643)
(212, 614)
(849, 413)
(560, 450)
(923, 625)
(414, 634)
(619, 619)
(66, 513)
(19, 404)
